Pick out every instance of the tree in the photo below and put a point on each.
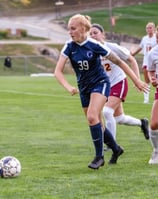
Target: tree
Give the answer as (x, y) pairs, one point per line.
(25, 2)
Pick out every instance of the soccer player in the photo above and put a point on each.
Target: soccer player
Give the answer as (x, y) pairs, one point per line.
(148, 41)
(113, 110)
(93, 83)
(153, 76)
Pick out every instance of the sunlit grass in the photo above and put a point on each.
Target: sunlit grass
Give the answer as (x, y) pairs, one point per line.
(45, 128)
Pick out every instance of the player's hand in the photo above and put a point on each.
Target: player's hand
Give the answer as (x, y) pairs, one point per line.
(142, 86)
(73, 90)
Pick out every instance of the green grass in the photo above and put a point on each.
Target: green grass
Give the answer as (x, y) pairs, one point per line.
(130, 20)
(26, 59)
(44, 127)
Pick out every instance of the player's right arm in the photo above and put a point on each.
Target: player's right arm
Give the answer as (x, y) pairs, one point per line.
(133, 53)
(153, 79)
(60, 75)
(142, 86)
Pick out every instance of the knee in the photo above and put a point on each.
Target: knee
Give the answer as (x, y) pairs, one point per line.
(91, 118)
(154, 125)
(108, 112)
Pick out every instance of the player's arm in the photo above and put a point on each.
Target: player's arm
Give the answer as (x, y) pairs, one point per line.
(60, 75)
(153, 79)
(133, 53)
(125, 55)
(134, 65)
(142, 86)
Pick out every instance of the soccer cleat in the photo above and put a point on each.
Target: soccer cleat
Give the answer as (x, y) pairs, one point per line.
(145, 128)
(96, 163)
(154, 158)
(115, 156)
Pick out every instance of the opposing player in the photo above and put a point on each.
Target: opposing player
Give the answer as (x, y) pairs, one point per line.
(93, 83)
(153, 76)
(113, 110)
(147, 43)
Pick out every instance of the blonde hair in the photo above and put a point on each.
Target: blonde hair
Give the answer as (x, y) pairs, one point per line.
(83, 20)
(150, 24)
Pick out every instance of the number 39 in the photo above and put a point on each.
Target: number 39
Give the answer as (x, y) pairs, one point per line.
(83, 65)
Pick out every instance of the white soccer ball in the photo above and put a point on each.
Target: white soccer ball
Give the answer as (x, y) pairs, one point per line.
(10, 167)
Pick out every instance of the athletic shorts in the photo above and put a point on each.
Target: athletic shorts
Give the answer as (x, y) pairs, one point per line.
(120, 89)
(156, 94)
(102, 88)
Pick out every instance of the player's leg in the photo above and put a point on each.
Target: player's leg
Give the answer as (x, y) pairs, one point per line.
(153, 131)
(108, 113)
(146, 79)
(122, 118)
(111, 143)
(93, 115)
(117, 95)
(97, 101)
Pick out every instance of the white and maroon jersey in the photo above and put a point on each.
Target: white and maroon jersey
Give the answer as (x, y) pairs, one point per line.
(115, 73)
(147, 43)
(153, 60)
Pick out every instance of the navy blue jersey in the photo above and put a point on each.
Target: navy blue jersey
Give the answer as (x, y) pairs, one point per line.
(86, 62)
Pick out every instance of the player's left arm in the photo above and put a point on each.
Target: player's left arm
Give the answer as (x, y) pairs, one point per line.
(134, 65)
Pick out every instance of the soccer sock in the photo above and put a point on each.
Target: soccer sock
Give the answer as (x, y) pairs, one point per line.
(109, 140)
(97, 137)
(154, 139)
(110, 121)
(128, 120)
(146, 95)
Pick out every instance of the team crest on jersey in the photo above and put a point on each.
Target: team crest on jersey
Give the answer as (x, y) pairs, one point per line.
(89, 54)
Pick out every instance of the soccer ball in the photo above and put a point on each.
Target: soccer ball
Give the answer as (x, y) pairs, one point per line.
(10, 167)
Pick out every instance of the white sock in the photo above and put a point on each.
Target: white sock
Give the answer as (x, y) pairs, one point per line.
(146, 95)
(154, 139)
(110, 121)
(128, 120)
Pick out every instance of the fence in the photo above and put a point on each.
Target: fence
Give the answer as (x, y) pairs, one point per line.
(31, 64)
(26, 65)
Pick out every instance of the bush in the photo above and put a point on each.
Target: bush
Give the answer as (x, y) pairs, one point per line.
(4, 34)
(23, 33)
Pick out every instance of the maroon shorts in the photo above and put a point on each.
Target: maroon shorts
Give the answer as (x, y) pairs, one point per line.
(156, 94)
(120, 89)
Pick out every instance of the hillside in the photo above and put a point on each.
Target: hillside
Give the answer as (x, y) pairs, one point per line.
(11, 5)
(100, 17)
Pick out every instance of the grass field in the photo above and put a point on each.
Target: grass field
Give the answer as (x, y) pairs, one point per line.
(44, 127)
(130, 20)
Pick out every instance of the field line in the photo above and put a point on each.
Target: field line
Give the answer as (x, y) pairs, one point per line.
(54, 95)
(38, 94)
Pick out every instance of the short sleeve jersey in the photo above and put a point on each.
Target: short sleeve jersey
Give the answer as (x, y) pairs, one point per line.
(86, 62)
(115, 73)
(147, 43)
(153, 60)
